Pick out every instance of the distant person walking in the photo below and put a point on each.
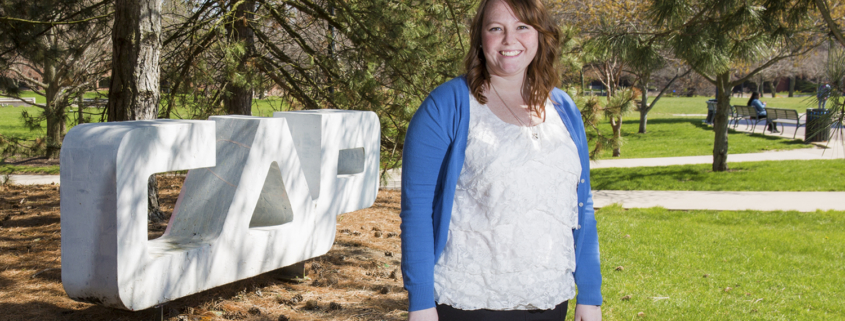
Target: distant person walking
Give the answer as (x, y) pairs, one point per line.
(760, 107)
(823, 93)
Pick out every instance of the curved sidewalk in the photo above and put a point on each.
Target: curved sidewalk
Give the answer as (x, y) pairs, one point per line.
(675, 200)
(717, 200)
(34, 179)
(723, 201)
(833, 152)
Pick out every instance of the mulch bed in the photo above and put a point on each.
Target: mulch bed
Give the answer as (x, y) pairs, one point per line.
(359, 279)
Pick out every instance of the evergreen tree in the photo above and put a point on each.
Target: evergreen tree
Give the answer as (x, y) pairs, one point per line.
(134, 89)
(719, 38)
(378, 55)
(56, 49)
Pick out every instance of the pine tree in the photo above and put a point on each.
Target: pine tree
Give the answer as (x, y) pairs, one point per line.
(134, 89)
(717, 38)
(56, 48)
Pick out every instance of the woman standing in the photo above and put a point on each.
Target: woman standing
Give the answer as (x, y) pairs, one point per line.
(760, 108)
(497, 213)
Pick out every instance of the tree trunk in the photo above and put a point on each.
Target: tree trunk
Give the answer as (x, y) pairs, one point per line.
(720, 122)
(583, 88)
(643, 122)
(792, 86)
(80, 106)
(773, 87)
(616, 124)
(55, 116)
(238, 99)
(52, 113)
(136, 37)
(644, 109)
(134, 88)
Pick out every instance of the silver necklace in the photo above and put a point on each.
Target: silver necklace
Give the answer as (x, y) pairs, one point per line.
(534, 133)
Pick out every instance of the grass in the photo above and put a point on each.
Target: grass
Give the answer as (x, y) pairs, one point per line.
(668, 106)
(711, 265)
(671, 137)
(21, 169)
(788, 175)
(11, 124)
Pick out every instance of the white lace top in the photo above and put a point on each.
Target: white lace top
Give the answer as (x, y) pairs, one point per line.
(510, 243)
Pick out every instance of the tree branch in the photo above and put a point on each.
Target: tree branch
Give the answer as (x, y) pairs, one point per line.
(55, 23)
(28, 79)
(834, 29)
(665, 88)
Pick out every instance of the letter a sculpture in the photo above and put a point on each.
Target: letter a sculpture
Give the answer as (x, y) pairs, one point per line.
(261, 194)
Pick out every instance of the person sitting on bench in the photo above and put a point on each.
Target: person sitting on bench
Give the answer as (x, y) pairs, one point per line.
(761, 110)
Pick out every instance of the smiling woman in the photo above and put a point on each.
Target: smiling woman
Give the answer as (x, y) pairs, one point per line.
(496, 201)
(508, 44)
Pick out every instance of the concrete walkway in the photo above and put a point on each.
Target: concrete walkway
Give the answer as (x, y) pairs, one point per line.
(796, 154)
(714, 200)
(680, 200)
(687, 200)
(34, 179)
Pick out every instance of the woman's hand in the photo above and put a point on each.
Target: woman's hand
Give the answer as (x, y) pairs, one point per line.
(429, 314)
(585, 312)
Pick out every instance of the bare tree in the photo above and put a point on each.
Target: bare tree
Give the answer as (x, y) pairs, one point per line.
(62, 61)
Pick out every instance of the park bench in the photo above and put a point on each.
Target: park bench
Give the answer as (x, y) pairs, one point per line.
(745, 112)
(9, 101)
(789, 116)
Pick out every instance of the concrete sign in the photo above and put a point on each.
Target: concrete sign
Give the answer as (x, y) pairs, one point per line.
(261, 194)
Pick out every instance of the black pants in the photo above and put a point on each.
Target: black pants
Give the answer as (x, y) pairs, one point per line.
(448, 313)
(772, 127)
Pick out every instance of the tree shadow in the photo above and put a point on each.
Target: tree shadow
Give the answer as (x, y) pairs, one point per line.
(783, 139)
(608, 179)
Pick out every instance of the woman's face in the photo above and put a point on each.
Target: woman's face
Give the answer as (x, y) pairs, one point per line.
(509, 45)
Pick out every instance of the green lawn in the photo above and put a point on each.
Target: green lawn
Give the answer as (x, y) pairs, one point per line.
(669, 134)
(679, 136)
(18, 169)
(711, 265)
(12, 126)
(668, 106)
(788, 175)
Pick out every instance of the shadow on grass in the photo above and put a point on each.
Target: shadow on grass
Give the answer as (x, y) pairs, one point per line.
(660, 121)
(731, 131)
(631, 126)
(608, 179)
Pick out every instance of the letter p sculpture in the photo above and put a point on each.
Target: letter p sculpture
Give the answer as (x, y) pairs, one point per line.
(261, 194)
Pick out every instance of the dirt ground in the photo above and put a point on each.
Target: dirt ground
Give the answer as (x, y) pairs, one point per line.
(359, 279)
(32, 161)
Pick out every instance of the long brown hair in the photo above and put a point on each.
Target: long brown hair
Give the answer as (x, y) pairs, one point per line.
(542, 73)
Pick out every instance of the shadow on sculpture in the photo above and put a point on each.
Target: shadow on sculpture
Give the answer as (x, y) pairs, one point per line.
(261, 194)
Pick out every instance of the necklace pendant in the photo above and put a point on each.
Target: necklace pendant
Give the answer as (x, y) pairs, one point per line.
(535, 135)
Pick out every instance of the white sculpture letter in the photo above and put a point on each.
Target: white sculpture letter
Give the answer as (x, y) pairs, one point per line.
(261, 194)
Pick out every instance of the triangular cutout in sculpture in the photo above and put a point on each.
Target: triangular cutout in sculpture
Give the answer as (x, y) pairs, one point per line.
(273, 206)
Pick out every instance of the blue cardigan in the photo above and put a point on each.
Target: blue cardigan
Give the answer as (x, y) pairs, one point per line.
(432, 159)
